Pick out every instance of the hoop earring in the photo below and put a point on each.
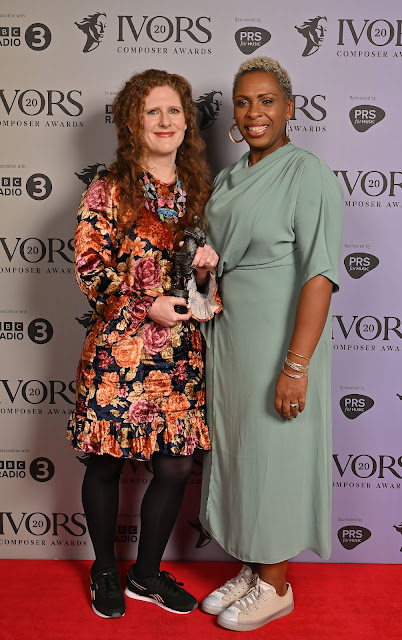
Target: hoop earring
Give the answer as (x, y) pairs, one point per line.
(231, 137)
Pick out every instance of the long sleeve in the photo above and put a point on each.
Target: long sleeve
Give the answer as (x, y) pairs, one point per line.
(112, 290)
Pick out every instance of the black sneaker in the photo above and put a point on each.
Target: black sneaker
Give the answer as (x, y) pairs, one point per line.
(107, 594)
(162, 589)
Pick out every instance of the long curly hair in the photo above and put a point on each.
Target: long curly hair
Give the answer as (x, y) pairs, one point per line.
(192, 167)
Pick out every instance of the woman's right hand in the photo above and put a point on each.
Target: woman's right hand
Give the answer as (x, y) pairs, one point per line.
(162, 311)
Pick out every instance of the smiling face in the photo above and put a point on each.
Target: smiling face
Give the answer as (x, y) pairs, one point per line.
(261, 110)
(164, 124)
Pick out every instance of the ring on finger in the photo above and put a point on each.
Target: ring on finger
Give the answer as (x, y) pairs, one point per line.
(295, 405)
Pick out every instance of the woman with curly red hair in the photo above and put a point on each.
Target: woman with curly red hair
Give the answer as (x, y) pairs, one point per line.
(140, 380)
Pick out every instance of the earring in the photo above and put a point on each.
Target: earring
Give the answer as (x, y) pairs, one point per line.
(230, 134)
(287, 128)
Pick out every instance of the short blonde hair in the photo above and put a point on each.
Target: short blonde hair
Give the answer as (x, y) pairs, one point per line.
(269, 65)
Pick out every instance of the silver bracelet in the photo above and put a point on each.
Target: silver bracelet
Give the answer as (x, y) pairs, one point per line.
(298, 354)
(296, 366)
(291, 375)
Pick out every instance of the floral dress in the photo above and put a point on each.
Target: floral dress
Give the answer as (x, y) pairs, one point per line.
(140, 386)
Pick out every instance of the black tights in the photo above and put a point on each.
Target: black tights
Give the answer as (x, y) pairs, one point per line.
(159, 509)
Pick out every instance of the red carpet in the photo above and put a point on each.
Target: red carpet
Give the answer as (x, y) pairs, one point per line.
(49, 600)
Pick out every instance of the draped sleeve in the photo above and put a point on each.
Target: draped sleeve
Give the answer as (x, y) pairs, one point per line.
(318, 222)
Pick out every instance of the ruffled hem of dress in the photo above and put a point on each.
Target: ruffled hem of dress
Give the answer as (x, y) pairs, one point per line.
(204, 305)
(93, 436)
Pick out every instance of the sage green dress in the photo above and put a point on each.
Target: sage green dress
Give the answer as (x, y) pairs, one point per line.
(267, 481)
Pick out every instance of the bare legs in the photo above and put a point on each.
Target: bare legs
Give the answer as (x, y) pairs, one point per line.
(275, 574)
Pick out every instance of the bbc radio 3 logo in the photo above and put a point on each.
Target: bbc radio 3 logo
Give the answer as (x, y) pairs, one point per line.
(365, 116)
(38, 186)
(40, 469)
(358, 264)
(37, 36)
(40, 330)
(352, 536)
(126, 533)
(109, 114)
(354, 404)
(12, 469)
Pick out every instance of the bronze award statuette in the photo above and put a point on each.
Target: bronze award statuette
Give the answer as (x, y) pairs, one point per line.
(194, 237)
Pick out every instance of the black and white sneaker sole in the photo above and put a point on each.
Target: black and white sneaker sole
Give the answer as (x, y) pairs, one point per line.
(103, 615)
(98, 613)
(154, 600)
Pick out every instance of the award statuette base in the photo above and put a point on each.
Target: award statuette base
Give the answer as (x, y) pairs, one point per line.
(180, 293)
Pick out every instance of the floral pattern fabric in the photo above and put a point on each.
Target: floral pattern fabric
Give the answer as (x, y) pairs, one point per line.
(140, 386)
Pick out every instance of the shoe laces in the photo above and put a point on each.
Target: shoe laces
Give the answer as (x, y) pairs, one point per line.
(233, 582)
(253, 595)
(109, 583)
(170, 581)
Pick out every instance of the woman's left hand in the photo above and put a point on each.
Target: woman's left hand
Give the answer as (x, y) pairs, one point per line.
(290, 395)
(205, 259)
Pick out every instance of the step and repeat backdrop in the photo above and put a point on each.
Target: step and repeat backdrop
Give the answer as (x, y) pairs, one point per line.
(62, 64)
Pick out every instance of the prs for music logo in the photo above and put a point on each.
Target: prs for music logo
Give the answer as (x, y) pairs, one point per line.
(354, 404)
(358, 264)
(365, 116)
(248, 39)
(352, 536)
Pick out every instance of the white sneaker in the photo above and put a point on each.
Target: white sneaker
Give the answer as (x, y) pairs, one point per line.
(260, 606)
(231, 591)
